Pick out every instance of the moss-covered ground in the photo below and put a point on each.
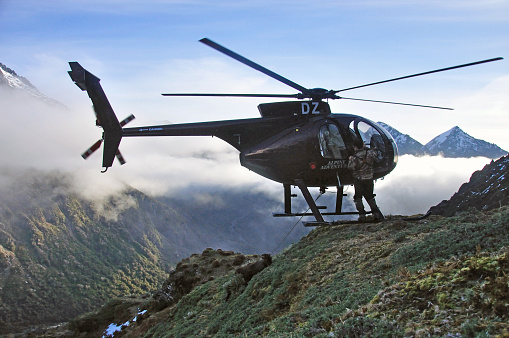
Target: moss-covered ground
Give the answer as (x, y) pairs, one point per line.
(439, 277)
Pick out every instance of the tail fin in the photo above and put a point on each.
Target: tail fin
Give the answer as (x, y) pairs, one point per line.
(105, 115)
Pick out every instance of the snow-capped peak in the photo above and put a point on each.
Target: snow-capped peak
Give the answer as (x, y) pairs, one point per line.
(456, 143)
(13, 80)
(452, 143)
(9, 79)
(406, 144)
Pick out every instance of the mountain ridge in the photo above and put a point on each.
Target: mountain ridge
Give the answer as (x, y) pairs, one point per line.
(406, 144)
(11, 80)
(487, 189)
(59, 258)
(456, 143)
(452, 143)
(343, 281)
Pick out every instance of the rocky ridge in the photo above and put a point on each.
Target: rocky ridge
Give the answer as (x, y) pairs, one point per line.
(487, 189)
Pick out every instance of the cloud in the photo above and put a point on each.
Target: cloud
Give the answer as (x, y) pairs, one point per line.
(39, 136)
(418, 183)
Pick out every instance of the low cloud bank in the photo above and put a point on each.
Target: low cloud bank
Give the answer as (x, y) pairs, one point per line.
(418, 183)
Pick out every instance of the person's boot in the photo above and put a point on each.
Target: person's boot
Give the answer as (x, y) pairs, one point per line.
(360, 209)
(375, 211)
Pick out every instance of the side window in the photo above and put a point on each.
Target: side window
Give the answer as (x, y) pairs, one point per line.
(331, 142)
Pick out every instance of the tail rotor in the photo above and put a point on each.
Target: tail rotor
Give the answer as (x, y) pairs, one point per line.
(98, 144)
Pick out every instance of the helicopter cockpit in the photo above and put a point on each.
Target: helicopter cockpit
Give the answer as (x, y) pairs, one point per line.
(336, 142)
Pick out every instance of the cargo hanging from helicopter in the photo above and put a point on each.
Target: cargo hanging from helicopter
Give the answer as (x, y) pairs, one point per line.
(296, 143)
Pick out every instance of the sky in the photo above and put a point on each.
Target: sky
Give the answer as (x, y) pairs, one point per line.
(141, 49)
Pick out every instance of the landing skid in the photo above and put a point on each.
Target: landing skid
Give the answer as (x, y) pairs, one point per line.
(333, 223)
(315, 209)
(367, 220)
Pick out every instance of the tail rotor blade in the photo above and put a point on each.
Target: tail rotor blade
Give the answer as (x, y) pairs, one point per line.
(127, 120)
(120, 158)
(91, 150)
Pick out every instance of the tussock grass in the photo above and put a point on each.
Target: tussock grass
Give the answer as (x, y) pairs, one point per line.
(439, 276)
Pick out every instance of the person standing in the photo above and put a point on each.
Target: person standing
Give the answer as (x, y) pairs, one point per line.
(361, 163)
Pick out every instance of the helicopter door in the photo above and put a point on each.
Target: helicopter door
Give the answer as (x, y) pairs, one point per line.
(372, 138)
(331, 142)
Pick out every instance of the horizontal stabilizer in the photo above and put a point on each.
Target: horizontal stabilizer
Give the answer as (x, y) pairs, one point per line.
(79, 74)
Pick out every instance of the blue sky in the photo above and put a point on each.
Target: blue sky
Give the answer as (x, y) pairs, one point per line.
(141, 49)
(138, 47)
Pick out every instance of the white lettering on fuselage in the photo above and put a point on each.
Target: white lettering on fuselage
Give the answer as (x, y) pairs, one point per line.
(336, 164)
(306, 108)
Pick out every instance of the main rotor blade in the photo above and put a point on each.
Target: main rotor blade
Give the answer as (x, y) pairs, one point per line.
(419, 74)
(234, 95)
(253, 65)
(403, 104)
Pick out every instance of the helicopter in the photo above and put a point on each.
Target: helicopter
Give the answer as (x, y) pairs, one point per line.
(297, 143)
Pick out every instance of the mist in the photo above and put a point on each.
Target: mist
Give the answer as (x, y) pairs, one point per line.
(418, 183)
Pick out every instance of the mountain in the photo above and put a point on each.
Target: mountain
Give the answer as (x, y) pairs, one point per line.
(241, 220)
(456, 143)
(487, 189)
(453, 143)
(62, 255)
(406, 144)
(440, 276)
(12, 81)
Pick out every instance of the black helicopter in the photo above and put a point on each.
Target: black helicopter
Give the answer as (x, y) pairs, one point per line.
(296, 143)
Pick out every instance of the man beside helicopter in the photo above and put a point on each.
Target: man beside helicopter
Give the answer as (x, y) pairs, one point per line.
(361, 163)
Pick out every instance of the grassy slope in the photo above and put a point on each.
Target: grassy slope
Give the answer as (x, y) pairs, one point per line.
(358, 280)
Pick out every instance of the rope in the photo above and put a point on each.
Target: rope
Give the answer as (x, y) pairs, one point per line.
(289, 232)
